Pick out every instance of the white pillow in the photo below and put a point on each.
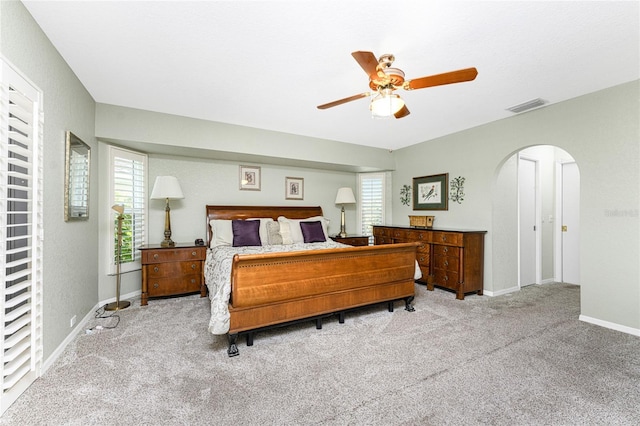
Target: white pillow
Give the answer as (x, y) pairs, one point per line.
(294, 228)
(285, 232)
(264, 232)
(222, 233)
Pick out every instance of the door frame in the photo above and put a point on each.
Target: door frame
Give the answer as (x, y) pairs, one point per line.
(538, 219)
(557, 235)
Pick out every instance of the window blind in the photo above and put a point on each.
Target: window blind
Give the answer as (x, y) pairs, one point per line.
(20, 233)
(371, 201)
(128, 187)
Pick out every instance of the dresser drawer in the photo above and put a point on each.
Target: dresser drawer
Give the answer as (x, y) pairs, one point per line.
(173, 269)
(423, 259)
(383, 240)
(440, 250)
(175, 255)
(416, 235)
(381, 232)
(449, 238)
(447, 279)
(174, 285)
(446, 263)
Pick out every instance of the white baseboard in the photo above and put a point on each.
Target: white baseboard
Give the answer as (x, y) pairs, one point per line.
(81, 328)
(133, 295)
(62, 346)
(610, 325)
(500, 292)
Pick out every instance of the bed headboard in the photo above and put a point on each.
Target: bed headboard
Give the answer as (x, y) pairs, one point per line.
(247, 212)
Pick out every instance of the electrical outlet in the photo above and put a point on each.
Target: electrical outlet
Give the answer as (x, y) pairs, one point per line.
(72, 322)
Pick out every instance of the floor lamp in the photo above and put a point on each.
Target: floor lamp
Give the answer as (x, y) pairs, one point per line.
(117, 305)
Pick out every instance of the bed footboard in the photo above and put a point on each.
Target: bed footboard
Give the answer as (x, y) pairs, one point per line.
(276, 288)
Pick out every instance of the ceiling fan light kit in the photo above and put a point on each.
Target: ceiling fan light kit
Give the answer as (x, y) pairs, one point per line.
(385, 104)
(384, 80)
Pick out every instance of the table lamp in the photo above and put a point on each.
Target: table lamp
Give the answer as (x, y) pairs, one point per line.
(166, 187)
(344, 196)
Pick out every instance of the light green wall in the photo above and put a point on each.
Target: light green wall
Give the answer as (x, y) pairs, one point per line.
(70, 272)
(601, 131)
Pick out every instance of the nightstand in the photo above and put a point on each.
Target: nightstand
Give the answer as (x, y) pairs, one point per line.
(171, 271)
(352, 240)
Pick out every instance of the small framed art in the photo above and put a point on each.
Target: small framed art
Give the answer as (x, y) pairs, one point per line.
(431, 192)
(294, 188)
(250, 178)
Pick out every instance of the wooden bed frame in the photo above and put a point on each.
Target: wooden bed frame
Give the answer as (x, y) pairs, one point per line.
(277, 288)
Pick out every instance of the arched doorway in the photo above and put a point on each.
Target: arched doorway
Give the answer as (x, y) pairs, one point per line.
(528, 217)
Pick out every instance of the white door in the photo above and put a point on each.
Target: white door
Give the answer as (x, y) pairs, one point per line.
(570, 223)
(527, 213)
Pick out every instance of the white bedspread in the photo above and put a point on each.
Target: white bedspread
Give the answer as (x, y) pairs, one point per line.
(217, 274)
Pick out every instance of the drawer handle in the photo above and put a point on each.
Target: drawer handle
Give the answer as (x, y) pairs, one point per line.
(421, 246)
(446, 278)
(446, 249)
(155, 256)
(193, 253)
(422, 259)
(156, 285)
(420, 236)
(193, 266)
(156, 269)
(193, 280)
(444, 238)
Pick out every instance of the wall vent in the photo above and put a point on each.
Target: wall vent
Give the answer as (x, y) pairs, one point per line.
(533, 103)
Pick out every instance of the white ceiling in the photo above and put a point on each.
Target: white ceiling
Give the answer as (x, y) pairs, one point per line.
(268, 64)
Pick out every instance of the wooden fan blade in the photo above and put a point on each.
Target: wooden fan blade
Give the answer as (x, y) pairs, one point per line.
(344, 101)
(459, 76)
(367, 61)
(402, 112)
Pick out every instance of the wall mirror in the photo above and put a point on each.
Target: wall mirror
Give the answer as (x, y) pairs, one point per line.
(76, 183)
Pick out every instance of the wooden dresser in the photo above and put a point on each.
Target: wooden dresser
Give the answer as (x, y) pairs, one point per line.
(170, 271)
(448, 258)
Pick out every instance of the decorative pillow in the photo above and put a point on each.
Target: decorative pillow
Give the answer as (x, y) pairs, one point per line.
(246, 233)
(273, 233)
(222, 233)
(285, 232)
(312, 232)
(294, 227)
(264, 233)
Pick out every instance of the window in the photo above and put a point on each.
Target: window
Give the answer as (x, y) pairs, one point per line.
(371, 202)
(128, 187)
(20, 233)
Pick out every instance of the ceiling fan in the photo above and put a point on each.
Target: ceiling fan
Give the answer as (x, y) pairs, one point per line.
(383, 80)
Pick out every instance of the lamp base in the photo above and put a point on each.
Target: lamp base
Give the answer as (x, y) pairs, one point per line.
(116, 306)
(167, 243)
(342, 234)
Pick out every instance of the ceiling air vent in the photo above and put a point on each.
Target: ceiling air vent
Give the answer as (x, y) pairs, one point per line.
(533, 103)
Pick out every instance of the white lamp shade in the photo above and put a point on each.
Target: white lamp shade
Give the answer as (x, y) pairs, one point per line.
(345, 196)
(166, 187)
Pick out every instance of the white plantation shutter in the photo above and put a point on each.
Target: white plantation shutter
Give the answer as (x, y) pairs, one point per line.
(20, 233)
(129, 187)
(371, 202)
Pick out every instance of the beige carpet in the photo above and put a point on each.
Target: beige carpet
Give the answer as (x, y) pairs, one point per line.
(519, 359)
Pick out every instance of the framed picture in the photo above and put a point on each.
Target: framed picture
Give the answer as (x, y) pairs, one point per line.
(294, 188)
(431, 192)
(250, 178)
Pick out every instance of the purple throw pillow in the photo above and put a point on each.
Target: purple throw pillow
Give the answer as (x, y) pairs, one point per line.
(246, 233)
(312, 232)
